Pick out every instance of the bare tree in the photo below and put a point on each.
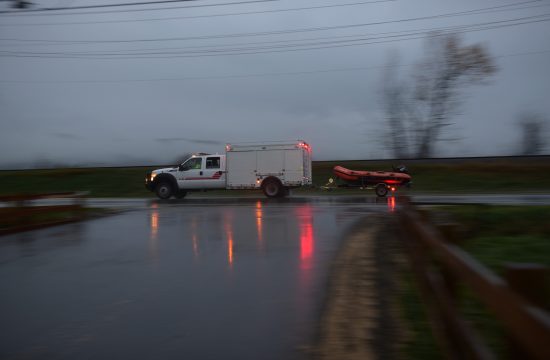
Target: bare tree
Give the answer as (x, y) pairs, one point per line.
(425, 110)
(396, 107)
(20, 4)
(532, 128)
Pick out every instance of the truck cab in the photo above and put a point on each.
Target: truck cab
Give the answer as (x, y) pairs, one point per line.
(200, 171)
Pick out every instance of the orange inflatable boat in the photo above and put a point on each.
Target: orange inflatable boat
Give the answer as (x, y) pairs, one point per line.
(381, 180)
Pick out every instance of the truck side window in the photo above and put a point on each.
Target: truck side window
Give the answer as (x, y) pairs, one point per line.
(194, 163)
(213, 163)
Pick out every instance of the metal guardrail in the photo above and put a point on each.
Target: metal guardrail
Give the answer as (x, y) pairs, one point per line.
(519, 302)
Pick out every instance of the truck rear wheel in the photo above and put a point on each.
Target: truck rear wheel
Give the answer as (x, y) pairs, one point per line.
(164, 190)
(381, 190)
(272, 188)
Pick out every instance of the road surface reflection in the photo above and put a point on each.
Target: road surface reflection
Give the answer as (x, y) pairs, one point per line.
(259, 224)
(195, 236)
(306, 236)
(153, 238)
(132, 286)
(228, 227)
(391, 203)
(303, 226)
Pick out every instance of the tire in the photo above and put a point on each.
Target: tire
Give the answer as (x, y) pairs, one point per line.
(180, 194)
(381, 190)
(272, 188)
(164, 190)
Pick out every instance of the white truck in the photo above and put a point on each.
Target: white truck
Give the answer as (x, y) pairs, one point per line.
(272, 167)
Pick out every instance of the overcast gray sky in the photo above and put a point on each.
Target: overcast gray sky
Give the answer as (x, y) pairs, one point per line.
(142, 87)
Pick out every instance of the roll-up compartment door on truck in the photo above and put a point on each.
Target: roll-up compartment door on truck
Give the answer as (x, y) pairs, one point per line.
(271, 162)
(241, 169)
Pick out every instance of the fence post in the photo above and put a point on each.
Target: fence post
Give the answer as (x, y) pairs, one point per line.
(532, 282)
(450, 233)
(78, 202)
(22, 205)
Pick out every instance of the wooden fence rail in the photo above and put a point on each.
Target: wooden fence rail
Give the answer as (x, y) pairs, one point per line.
(519, 304)
(19, 211)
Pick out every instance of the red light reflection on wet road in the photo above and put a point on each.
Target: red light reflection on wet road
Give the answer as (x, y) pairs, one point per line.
(307, 241)
(259, 215)
(307, 252)
(153, 238)
(228, 226)
(391, 203)
(154, 221)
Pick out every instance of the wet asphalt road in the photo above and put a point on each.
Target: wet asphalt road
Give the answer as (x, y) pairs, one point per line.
(368, 198)
(176, 280)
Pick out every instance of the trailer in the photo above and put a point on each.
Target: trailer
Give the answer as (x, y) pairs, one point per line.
(381, 181)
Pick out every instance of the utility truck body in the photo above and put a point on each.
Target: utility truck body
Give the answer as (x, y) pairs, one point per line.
(272, 167)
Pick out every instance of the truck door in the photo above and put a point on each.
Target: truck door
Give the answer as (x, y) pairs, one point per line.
(190, 174)
(214, 176)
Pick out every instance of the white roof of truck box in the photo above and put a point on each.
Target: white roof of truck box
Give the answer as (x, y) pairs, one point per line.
(274, 145)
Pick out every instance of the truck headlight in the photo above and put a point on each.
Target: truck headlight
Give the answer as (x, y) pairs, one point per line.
(153, 176)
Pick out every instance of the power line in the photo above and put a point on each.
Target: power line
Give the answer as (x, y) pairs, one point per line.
(354, 37)
(239, 76)
(265, 33)
(274, 48)
(46, 11)
(205, 16)
(83, 7)
(251, 51)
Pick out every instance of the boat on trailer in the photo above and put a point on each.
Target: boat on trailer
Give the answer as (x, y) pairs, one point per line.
(381, 181)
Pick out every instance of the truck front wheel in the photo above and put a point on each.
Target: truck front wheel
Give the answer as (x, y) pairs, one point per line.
(164, 190)
(272, 188)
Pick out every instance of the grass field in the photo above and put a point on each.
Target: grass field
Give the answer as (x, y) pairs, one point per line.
(429, 176)
(495, 236)
(499, 234)
(13, 220)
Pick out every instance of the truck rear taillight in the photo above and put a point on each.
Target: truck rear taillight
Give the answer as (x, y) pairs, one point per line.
(304, 145)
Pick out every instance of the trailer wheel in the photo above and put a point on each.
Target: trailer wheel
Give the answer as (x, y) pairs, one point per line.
(272, 188)
(164, 190)
(381, 190)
